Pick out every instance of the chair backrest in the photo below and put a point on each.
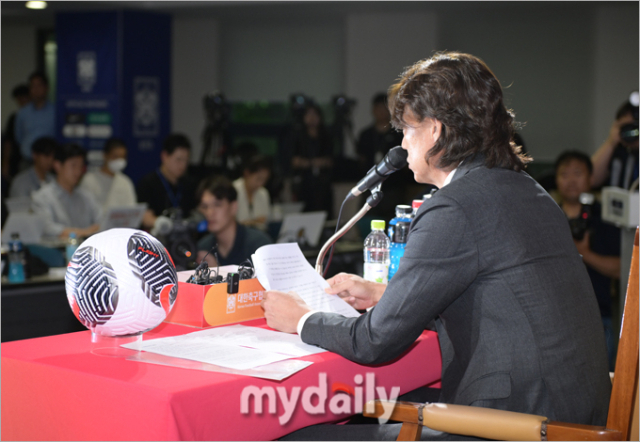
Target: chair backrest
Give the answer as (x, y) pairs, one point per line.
(625, 381)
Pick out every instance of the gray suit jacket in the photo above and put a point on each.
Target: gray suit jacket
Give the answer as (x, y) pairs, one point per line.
(491, 258)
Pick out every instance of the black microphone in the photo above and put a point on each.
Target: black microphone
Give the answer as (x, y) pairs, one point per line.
(394, 160)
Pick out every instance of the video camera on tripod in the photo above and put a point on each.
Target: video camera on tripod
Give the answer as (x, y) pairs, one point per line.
(178, 235)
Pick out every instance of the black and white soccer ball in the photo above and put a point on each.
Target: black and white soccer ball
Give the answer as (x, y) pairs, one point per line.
(121, 282)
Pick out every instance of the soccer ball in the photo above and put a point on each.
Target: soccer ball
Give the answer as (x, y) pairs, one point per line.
(121, 282)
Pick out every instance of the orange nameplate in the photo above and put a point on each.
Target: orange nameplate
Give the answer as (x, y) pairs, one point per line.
(205, 306)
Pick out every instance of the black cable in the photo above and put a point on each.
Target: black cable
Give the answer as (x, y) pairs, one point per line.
(202, 273)
(324, 273)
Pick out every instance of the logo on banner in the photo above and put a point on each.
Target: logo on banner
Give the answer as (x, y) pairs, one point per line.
(87, 70)
(146, 106)
(231, 303)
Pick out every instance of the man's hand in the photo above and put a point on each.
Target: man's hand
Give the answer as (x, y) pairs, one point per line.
(358, 292)
(283, 310)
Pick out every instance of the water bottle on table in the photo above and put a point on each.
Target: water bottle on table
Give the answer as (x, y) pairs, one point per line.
(398, 243)
(72, 246)
(403, 213)
(376, 253)
(16, 259)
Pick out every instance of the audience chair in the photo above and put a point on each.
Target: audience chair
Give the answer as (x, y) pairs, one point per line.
(622, 420)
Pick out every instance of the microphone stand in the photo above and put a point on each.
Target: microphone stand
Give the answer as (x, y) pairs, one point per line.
(372, 201)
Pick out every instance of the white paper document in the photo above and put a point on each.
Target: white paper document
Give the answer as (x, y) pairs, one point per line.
(206, 350)
(237, 346)
(260, 338)
(276, 371)
(283, 267)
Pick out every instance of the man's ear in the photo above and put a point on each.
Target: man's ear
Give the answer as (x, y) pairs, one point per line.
(436, 131)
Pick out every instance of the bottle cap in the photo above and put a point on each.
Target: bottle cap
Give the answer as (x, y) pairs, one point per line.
(403, 210)
(416, 203)
(377, 224)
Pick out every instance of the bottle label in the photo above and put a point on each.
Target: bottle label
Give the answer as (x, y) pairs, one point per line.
(376, 272)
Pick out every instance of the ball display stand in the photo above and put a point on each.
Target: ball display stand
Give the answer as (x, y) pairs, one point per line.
(110, 346)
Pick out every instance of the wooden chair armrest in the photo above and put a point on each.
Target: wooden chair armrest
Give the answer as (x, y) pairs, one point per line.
(468, 421)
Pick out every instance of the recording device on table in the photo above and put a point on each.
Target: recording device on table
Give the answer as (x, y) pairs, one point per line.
(580, 225)
(395, 160)
(203, 274)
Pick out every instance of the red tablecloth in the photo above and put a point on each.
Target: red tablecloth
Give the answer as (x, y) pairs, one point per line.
(54, 388)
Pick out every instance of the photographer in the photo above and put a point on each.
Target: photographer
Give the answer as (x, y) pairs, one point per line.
(597, 242)
(617, 159)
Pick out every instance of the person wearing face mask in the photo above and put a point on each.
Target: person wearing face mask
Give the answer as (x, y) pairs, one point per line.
(109, 185)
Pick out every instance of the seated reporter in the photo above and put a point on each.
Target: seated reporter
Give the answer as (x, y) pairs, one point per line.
(63, 206)
(490, 257)
(234, 242)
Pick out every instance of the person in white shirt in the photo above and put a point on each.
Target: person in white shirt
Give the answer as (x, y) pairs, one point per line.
(32, 179)
(110, 187)
(61, 204)
(254, 203)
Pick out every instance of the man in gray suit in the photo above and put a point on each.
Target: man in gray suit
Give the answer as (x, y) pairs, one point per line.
(489, 257)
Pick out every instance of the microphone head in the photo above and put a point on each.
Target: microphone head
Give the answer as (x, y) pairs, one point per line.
(396, 158)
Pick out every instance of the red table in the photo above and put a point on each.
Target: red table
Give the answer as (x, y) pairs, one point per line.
(54, 388)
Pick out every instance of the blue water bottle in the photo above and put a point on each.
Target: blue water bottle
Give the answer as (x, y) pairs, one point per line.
(16, 259)
(72, 246)
(403, 213)
(398, 244)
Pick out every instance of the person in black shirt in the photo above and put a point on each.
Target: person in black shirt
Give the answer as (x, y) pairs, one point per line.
(373, 144)
(615, 163)
(167, 187)
(376, 140)
(600, 243)
(234, 242)
(312, 161)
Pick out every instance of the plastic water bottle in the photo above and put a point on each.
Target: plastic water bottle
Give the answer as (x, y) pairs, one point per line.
(72, 246)
(398, 244)
(376, 253)
(415, 204)
(16, 259)
(403, 213)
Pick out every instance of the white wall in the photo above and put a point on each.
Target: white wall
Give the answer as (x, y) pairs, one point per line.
(544, 63)
(615, 65)
(195, 71)
(272, 61)
(18, 62)
(378, 47)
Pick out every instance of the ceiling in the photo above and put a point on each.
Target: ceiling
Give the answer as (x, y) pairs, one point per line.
(14, 12)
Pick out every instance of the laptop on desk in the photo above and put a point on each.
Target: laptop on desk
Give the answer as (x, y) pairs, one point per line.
(303, 228)
(123, 217)
(29, 226)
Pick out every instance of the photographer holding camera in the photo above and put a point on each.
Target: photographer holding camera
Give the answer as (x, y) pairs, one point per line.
(597, 242)
(617, 158)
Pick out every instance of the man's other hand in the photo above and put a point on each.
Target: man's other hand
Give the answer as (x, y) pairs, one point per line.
(358, 292)
(283, 310)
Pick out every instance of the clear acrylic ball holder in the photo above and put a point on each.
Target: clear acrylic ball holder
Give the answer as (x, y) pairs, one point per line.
(111, 345)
